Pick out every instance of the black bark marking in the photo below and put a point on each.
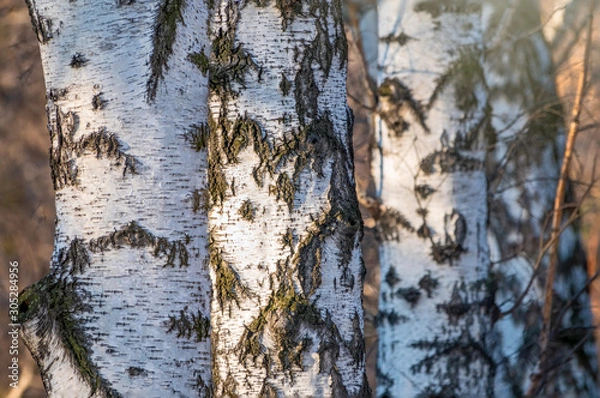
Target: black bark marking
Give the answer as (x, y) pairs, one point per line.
(200, 199)
(438, 7)
(78, 60)
(135, 236)
(449, 161)
(399, 39)
(65, 150)
(410, 294)
(306, 90)
(391, 277)
(228, 285)
(106, 144)
(289, 9)
(228, 63)
(189, 325)
(55, 303)
(391, 316)
(455, 228)
(356, 344)
(198, 136)
(457, 307)
(75, 256)
(442, 252)
(56, 94)
(98, 102)
(283, 316)
(389, 225)
(424, 231)
(428, 283)
(41, 25)
(168, 15)
(288, 240)
(424, 191)
(285, 85)
(396, 100)
(135, 371)
(247, 210)
(284, 190)
(62, 126)
(465, 73)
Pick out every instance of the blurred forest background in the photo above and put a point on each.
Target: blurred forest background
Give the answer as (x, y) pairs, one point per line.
(27, 198)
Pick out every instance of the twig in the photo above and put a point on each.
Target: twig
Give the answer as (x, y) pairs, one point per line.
(558, 204)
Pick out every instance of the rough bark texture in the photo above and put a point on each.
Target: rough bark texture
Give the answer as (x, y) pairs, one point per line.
(523, 169)
(435, 301)
(284, 221)
(124, 311)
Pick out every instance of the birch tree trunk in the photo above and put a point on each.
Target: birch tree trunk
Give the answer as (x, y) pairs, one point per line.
(435, 303)
(523, 170)
(284, 221)
(125, 309)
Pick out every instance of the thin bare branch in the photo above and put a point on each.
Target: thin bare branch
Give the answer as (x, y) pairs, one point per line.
(558, 205)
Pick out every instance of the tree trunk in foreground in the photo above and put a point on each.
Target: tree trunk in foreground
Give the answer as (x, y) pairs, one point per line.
(523, 170)
(125, 309)
(284, 222)
(435, 302)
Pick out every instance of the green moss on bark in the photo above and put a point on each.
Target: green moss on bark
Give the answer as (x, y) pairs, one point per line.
(228, 63)
(228, 284)
(283, 315)
(247, 210)
(198, 136)
(200, 199)
(284, 190)
(57, 303)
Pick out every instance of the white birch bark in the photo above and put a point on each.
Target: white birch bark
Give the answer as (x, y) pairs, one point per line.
(523, 169)
(434, 321)
(284, 221)
(124, 311)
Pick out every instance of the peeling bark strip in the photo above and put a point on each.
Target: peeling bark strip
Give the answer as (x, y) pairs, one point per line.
(281, 188)
(436, 303)
(168, 16)
(126, 305)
